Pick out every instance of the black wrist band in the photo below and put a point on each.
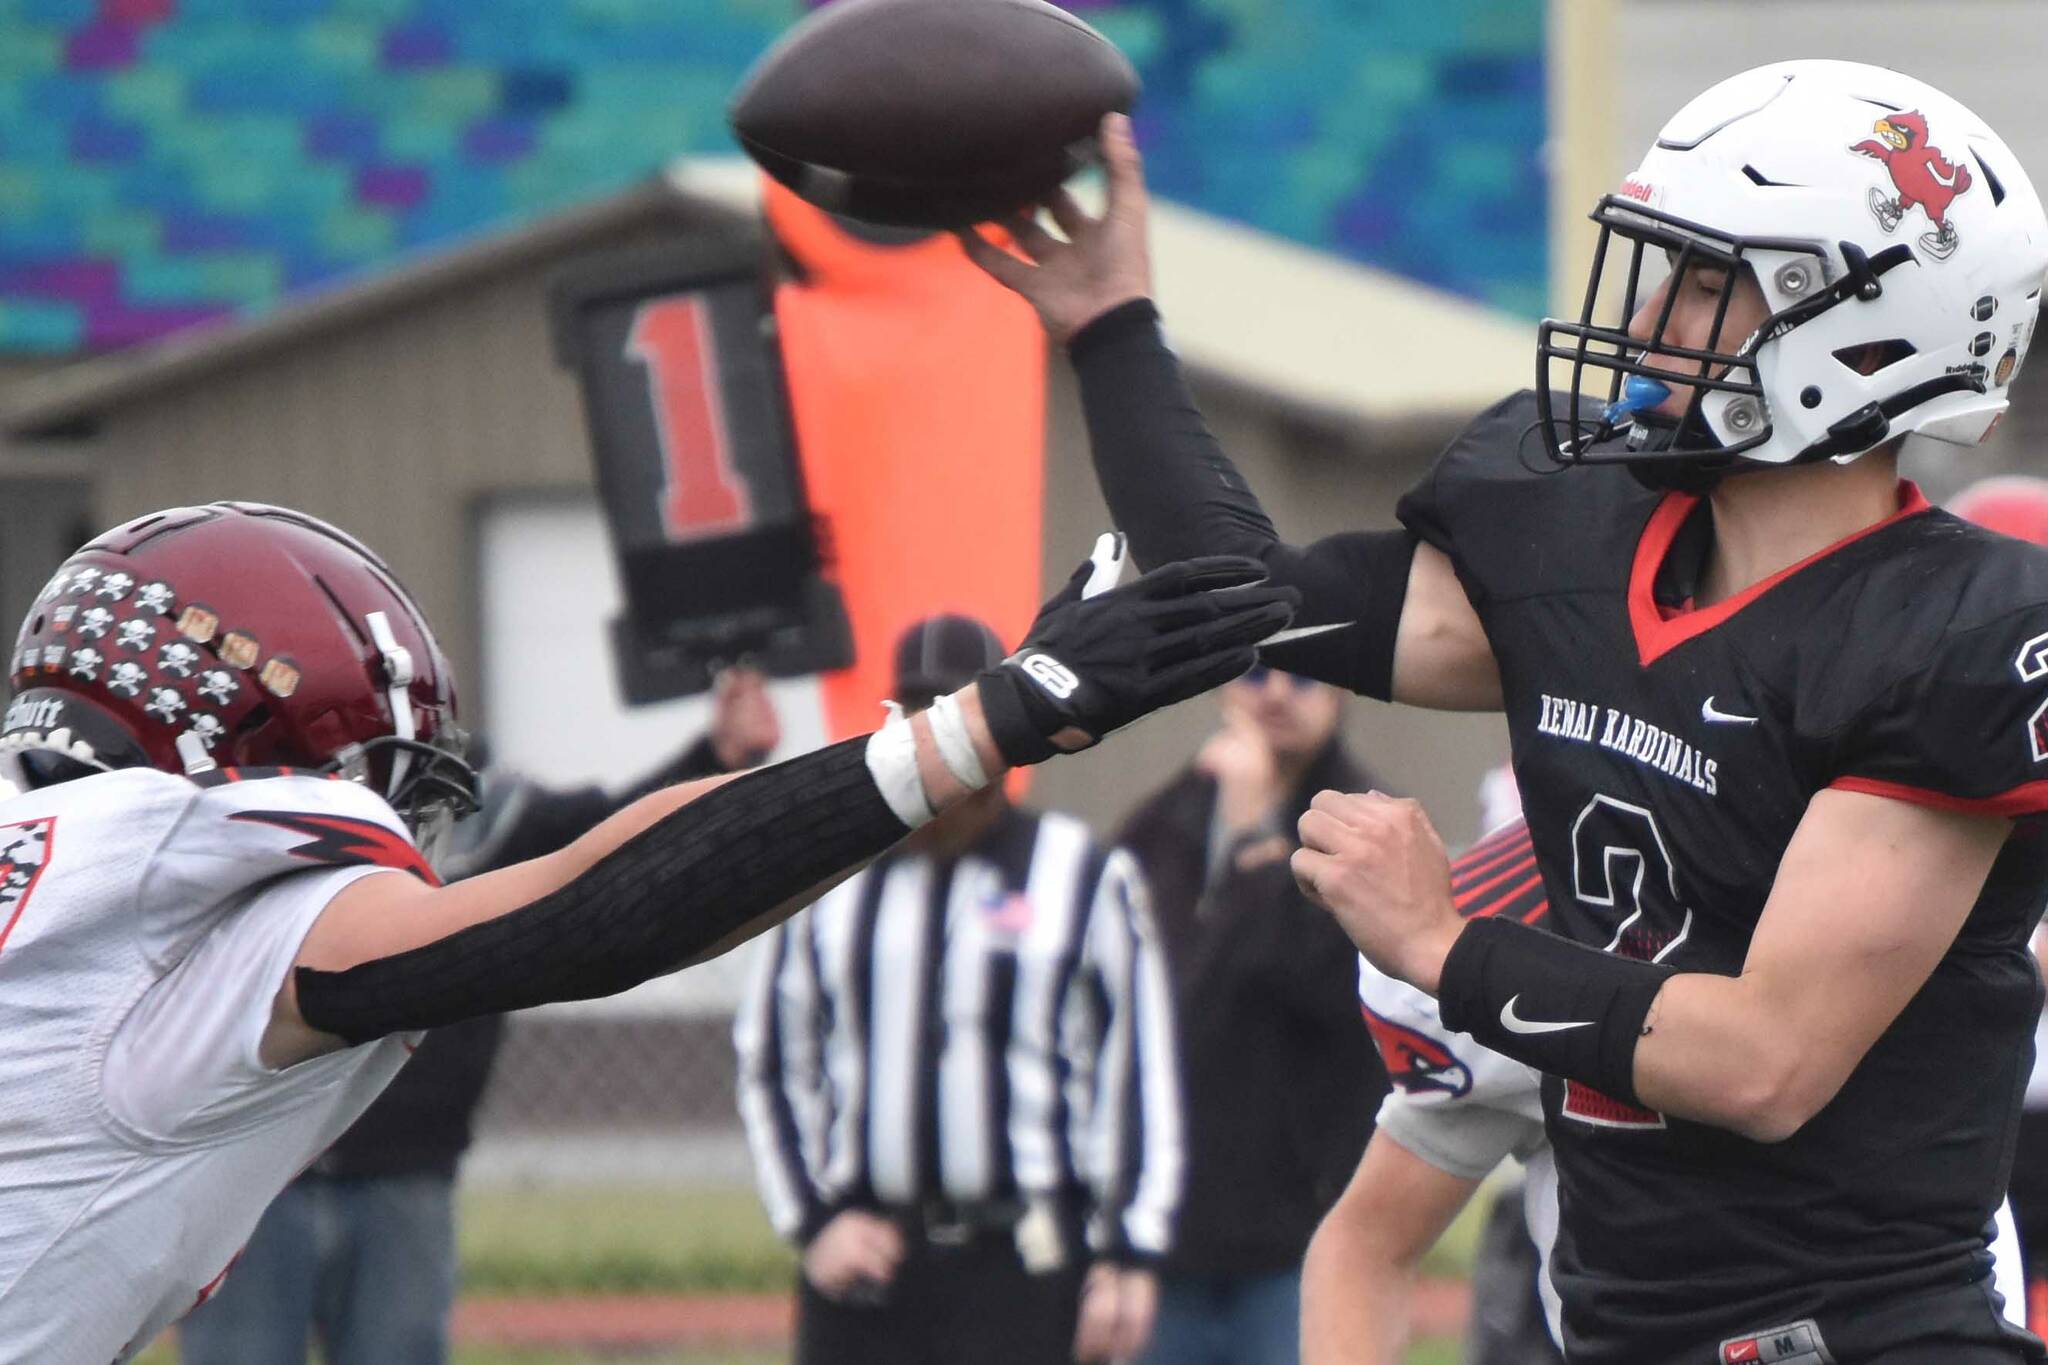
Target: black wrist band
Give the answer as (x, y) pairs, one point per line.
(1133, 315)
(1005, 709)
(1561, 1007)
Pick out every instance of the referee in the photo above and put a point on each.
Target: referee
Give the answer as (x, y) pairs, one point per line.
(958, 1082)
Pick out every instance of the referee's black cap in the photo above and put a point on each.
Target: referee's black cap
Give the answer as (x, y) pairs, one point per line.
(942, 654)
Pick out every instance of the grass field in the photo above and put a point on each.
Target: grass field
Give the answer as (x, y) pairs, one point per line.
(619, 1239)
(554, 1241)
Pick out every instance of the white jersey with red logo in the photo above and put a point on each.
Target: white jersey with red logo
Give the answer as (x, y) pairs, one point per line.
(1461, 1106)
(146, 924)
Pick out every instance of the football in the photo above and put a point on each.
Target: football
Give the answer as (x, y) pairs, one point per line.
(931, 113)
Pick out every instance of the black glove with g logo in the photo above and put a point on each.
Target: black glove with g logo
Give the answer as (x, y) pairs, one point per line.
(1095, 664)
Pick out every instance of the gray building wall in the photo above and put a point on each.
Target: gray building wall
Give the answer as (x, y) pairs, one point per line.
(390, 429)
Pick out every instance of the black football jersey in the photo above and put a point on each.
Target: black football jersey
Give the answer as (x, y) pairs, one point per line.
(1665, 756)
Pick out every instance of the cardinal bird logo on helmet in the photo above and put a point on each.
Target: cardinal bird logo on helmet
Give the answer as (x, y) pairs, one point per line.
(1921, 175)
(1417, 1063)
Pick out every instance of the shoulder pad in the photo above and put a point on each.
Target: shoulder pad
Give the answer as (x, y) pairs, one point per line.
(270, 822)
(1961, 721)
(1509, 521)
(236, 836)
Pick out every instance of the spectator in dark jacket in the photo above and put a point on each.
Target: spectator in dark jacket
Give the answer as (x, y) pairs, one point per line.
(359, 1252)
(1280, 1075)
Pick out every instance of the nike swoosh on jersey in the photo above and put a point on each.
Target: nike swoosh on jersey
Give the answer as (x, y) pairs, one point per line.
(1709, 713)
(1514, 1023)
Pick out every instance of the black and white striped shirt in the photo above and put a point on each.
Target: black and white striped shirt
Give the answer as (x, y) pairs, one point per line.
(992, 1028)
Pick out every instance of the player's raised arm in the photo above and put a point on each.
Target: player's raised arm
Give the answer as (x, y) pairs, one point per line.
(688, 872)
(1407, 630)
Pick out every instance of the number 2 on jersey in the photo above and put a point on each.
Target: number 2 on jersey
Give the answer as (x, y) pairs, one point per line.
(1620, 863)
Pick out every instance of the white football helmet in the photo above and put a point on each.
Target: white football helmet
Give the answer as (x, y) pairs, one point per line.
(1899, 246)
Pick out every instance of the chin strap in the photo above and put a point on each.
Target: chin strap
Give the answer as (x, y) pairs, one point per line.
(397, 664)
(192, 754)
(1869, 425)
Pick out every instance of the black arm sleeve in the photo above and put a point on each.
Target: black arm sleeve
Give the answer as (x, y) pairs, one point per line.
(1174, 492)
(651, 905)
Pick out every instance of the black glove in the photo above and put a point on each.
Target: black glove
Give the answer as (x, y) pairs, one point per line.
(1091, 666)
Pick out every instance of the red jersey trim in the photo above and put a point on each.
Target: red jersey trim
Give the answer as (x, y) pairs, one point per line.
(1461, 899)
(1483, 862)
(2028, 798)
(1656, 635)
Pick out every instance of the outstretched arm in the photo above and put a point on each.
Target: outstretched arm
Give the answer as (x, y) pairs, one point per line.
(1175, 492)
(686, 873)
(677, 877)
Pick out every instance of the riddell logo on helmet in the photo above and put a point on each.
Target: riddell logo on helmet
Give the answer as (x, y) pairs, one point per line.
(33, 713)
(1642, 191)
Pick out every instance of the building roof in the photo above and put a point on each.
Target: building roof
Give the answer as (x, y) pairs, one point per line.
(1301, 328)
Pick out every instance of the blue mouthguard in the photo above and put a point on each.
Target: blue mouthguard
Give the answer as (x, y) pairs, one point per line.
(1639, 393)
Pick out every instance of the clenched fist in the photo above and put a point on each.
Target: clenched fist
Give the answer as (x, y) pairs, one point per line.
(1375, 862)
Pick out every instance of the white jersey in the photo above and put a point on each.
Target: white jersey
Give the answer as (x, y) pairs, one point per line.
(1464, 1109)
(146, 924)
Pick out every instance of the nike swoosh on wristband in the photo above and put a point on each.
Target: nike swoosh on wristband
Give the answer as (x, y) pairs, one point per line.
(1708, 713)
(1513, 1023)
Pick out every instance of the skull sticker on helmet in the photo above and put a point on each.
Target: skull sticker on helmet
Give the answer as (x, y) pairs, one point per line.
(85, 663)
(165, 704)
(178, 659)
(154, 598)
(209, 728)
(136, 634)
(115, 586)
(218, 686)
(95, 622)
(127, 679)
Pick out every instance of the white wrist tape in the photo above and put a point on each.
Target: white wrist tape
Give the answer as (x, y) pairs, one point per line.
(892, 762)
(956, 746)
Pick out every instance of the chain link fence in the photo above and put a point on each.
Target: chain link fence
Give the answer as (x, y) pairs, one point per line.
(638, 1088)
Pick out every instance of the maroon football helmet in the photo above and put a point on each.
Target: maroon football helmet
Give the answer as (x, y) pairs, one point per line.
(233, 635)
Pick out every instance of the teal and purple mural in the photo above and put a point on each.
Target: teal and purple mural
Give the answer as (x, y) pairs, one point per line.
(165, 163)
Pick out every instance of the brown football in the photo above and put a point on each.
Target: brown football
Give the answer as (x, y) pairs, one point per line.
(931, 113)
